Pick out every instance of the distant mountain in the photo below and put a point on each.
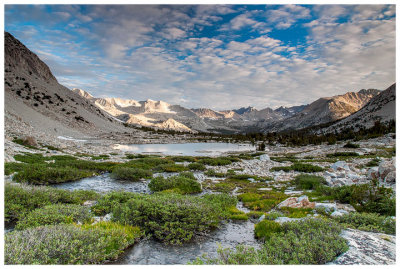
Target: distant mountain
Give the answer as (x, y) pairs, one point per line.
(243, 110)
(34, 98)
(33, 95)
(381, 108)
(323, 110)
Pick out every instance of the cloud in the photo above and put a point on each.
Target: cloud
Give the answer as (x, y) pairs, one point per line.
(214, 56)
(286, 16)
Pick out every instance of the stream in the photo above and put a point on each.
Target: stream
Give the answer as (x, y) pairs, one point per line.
(150, 251)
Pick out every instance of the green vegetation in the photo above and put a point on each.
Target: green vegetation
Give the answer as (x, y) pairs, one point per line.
(266, 228)
(172, 218)
(182, 158)
(55, 214)
(101, 157)
(308, 182)
(369, 222)
(42, 175)
(351, 145)
(262, 202)
(69, 244)
(300, 167)
(291, 212)
(171, 168)
(132, 174)
(183, 183)
(236, 214)
(310, 241)
(218, 161)
(373, 162)
(212, 173)
(342, 154)
(197, 166)
(370, 198)
(20, 200)
(28, 142)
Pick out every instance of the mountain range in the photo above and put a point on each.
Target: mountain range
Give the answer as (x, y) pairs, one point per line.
(33, 95)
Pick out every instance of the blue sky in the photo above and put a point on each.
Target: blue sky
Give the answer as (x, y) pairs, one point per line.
(216, 56)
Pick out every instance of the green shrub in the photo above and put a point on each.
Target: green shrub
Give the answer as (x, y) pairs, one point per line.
(299, 167)
(20, 200)
(369, 198)
(182, 158)
(291, 212)
(40, 175)
(148, 163)
(263, 202)
(183, 183)
(264, 229)
(174, 218)
(342, 154)
(310, 241)
(308, 182)
(133, 174)
(236, 214)
(351, 145)
(197, 166)
(255, 214)
(373, 162)
(12, 167)
(110, 200)
(68, 244)
(213, 173)
(170, 168)
(218, 161)
(55, 214)
(369, 222)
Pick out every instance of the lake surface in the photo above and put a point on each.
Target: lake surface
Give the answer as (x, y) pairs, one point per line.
(187, 149)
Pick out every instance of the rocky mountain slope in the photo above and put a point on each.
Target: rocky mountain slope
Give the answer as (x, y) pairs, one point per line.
(34, 96)
(34, 99)
(380, 108)
(323, 110)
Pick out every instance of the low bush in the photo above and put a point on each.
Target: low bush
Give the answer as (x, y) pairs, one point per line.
(369, 222)
(262, 202)
(236, 214)
(351, 145)
(29, 142)
(310, 241)
(213, 173)
(132, 174)
(308, 182)
(255, 214)
(291, 212)
(218, 161)
(20, 200)
(370, 198)
(69, 244)
(184, 183)
(373, 162)
(342, 154)
(174, 218)
(55, 214)
(148, 163)
(170, 168)
(197, 166)
(264, 229)
(183, 158)
(299, 167)
(107, 202)
(41, 175)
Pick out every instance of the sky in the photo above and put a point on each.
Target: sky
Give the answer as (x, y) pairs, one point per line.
(214, 56)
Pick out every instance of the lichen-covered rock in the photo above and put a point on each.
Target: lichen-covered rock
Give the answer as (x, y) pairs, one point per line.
(366, 248)
(391, 177)
(340, 166)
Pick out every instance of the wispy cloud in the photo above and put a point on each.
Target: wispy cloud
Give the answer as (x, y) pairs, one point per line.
(214, 56)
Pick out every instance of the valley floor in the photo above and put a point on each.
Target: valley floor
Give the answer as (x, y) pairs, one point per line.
(315, 204)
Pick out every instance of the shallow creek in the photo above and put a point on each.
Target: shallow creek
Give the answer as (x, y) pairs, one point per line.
(150, 251)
